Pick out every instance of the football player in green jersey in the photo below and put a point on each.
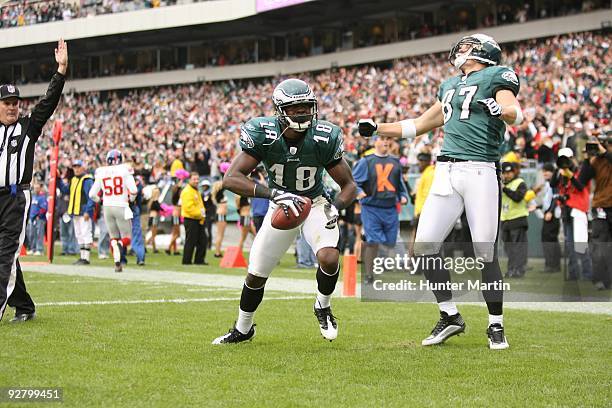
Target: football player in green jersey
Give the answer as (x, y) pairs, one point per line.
(294, 147)
(474, 109)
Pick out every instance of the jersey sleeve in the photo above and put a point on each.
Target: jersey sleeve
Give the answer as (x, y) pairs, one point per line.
(505, 78)
(336, 149)
(251, 137)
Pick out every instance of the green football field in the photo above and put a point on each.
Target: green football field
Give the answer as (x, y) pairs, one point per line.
(109, 342)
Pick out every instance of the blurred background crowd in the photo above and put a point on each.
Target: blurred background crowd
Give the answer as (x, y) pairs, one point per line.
(565, 95)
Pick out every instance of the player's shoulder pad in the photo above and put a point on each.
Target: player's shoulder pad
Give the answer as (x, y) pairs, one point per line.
(253, 132)
(505, 73)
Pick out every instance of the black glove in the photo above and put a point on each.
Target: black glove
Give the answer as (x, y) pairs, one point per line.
(492, 108)
(367, 127)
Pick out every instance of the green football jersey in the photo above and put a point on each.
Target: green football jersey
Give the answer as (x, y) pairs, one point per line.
(469, 133)
(294, 168)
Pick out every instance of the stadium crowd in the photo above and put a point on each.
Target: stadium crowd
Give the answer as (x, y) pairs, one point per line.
(29, 12)
(564, 94)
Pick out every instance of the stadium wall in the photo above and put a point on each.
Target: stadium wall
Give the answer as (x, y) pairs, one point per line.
(213, 11)
(508, 33)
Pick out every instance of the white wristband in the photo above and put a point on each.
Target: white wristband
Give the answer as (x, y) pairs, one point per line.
(408, 128)
(519, 116)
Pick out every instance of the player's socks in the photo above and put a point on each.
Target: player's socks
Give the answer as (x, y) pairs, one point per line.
(449, 307)
(496, 319)
(245, 321)
(322, 301)
(116, 250)
(249, 302)
(326, 283)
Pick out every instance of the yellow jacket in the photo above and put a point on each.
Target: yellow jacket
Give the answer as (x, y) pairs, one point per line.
(176, 165)
(192, 205)
(422, 189)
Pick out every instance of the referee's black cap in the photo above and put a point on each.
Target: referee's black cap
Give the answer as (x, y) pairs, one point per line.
(9, 91)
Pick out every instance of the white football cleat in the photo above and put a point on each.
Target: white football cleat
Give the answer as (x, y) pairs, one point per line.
(327, 323)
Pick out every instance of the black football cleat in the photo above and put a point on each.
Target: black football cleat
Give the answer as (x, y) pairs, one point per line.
(118, 267)
(497, 339)
(235, 336)
(327, 323)
(23, 317)
(446, 327)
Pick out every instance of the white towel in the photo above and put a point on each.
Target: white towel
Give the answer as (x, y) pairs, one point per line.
(442, 182)
(581, 231)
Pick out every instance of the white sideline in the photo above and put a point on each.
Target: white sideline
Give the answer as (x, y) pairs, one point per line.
(288, 285)
(292, 285)
(146, 301)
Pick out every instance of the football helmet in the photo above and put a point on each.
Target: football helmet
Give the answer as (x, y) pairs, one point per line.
(478, 47)
(292, 92)
(114, 157)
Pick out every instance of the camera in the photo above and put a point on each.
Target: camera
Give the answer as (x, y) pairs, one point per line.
(562, 198)
(564, 162)
(592, 149)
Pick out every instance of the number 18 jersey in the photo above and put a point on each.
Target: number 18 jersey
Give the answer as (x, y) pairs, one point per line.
(116, 183)
(295, 168)
(469, 133)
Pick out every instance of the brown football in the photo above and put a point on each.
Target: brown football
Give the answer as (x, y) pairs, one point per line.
(281, 221)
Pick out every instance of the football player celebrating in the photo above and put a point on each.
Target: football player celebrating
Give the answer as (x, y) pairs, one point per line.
(118, 187)
(295, 148)
(474, 108)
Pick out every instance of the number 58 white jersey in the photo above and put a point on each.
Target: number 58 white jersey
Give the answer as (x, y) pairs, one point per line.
(116, 183)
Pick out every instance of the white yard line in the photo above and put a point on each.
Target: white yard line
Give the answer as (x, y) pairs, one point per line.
(146, 301)
(281, 284)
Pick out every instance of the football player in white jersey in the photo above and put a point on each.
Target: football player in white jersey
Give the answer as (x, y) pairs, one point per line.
(118, 188)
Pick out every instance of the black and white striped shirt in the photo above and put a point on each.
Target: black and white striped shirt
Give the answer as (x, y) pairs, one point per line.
(18, 140)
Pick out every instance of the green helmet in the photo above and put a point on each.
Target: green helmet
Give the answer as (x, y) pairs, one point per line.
(482, 48)
(294, 92)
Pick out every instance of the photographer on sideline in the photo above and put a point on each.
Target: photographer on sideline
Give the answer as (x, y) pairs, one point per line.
(598, 166)
(573, 198)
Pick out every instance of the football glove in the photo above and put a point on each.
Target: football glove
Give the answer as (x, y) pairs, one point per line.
(492, 108)
(288, 201)
(367, 127)
(331, 212)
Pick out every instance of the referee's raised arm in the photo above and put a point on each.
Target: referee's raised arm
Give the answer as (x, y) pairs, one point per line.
(18, 136)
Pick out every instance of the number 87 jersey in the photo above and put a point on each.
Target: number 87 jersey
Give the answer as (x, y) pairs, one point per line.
(469, 132)
(116, 183)
(297, 168)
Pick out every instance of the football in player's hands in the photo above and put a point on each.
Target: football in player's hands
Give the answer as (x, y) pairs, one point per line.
(367, 127)
(285, 219)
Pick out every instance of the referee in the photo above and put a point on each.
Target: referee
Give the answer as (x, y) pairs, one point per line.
(18, 136)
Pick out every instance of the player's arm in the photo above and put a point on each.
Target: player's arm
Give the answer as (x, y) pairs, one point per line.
(95, 189)
(130, 185)
(511, 112)
(340, 172)
(236, 180)
(431, 119)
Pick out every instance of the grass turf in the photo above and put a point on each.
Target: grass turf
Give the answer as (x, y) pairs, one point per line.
(160, 354)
